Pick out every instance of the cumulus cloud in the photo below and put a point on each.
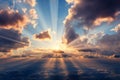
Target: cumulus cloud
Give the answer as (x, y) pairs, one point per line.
(91, 13)
(45, 35)
(12, 23)
(21, 15)
(31, 2)
(33, 14)
(10, 19)
(12, 41)
(116, 29)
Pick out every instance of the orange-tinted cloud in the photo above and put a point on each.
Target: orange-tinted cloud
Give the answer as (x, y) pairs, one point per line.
(33, 14)
(45, 35)
(90, 13)
(10, 19)
(117, 28)
(31, 2)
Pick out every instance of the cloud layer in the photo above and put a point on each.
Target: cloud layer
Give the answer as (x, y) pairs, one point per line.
(110, 42)
(12, 41)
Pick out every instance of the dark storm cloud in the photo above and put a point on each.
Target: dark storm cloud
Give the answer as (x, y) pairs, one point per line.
(70, 34)
(91, 13)
(11, 40)
(12, 19)
(45, 35)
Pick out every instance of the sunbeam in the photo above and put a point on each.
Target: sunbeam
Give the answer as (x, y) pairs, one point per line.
(54, 14)
(59, 39)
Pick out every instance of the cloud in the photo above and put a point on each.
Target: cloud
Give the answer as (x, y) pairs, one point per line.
(70, 35)
(23, 15)
(87, 41)
(69, 1)
(110, 42)
(10, 19)
(24, 10)
(32, 3)
(91, 13)
(12, 23)
(93, 38)
(116, 29)
(45, 35)
(33, 14)
(101, 41)
(12, 41)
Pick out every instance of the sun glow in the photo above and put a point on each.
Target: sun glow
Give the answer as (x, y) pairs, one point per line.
(61, 47)
(57, 46)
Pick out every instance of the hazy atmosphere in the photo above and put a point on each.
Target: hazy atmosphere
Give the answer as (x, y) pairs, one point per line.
(59, 40)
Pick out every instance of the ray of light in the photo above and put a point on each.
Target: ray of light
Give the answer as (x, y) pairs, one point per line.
(44, 15)
(41, 19)
(12, 40)
(54, 14)
(49, 66)
(18, 5)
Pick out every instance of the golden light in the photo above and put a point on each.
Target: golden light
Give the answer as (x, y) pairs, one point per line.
(55, 46)
(59, 46)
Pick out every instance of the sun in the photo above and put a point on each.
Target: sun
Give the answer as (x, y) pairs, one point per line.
(57, 46)
(62, 47)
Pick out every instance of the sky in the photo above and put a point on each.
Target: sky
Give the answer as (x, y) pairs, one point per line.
(53, 24)
(51, 15)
